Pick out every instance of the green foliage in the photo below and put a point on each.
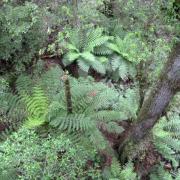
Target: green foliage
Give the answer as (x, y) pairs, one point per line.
(118, 67)
(175, 104)
(136, 14)
(88, 12)
(80, 47)
(160, 173)
(128, 173)
(21, 34)
(130, 48)
(159, 55)
(24, 155)
(91, 34)
(128, 52)
(117, 171)
(37, 107)
(33, 107)
(178, 176)
(156, 28)
(166, 138)
(4, 86)
(12, 112)
(93, 104)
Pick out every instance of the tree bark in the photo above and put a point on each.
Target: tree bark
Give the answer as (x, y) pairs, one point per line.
(76, 22)
(166, 87)
(65, 78)
(156, 103)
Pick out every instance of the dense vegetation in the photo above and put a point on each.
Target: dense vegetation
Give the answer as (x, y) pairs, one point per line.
(89, 89)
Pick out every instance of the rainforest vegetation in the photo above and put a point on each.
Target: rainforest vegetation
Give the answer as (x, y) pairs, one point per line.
(89, 89)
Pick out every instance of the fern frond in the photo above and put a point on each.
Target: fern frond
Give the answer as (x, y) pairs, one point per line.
(114, 47)
(12, 106)
(24, 84)
(87, 56)
(73, 37)
(70, 57)
(124, 173)
(160, 173)
(83, 51)
(97, 42)
(113, 127)
(167, 138)
(92, 36)
(71, 47)
(98, 66)
(51, 81)
(115, 168)
(177, 176)
(71, 123)
(122, 67)
(97, 139)
(128, 173)
(83, 65)
(10, 174)
(128, 103)
(37, 107)
(108, 115)
(102, 50)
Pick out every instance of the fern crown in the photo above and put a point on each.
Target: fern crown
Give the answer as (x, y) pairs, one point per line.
(82, 45)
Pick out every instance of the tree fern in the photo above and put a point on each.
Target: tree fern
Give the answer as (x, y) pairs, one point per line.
(95, 39)
(127, 53)
(92, 103)
(130, 47)
(81, 47)
(122, 68)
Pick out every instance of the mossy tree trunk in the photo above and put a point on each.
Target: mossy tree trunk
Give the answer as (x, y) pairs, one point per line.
(152, 109)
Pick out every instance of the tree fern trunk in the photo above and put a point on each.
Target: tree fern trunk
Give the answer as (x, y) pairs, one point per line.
(68, 93)
(154, 106)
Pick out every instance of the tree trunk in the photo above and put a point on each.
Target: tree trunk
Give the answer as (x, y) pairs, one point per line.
(159, 98)
(76, 22)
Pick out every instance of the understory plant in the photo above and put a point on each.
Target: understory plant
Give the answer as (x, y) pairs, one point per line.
(110, 127)
(94, 106)
(25, 155)
(22, 34)
(81, 45)
(128, 51)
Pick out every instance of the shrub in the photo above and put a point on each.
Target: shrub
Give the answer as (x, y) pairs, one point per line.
(24, 155)
(21, 35)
